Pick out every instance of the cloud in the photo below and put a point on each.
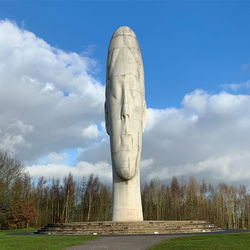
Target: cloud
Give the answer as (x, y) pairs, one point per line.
(82, 169)
(236, 86)
(57, 158)
(49, 99)
(91, 131)
(208, 137)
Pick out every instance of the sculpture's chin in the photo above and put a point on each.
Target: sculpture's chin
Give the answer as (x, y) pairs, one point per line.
(124, 166)
(125, 173)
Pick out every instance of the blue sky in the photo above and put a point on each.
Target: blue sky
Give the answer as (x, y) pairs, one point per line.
(197, 74)
(185, 45)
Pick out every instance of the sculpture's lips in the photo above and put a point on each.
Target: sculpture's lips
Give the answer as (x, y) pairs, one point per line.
(124, 142)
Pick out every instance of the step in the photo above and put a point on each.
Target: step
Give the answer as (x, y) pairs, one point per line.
(126, 228)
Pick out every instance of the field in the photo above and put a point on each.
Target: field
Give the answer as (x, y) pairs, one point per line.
(38, 242)
(236, 241)
(232, 241)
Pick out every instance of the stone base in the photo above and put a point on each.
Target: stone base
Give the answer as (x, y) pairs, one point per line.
(128, 228)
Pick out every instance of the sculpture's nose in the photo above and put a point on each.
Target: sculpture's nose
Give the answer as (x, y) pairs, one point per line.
(125, 105)
(125, 111)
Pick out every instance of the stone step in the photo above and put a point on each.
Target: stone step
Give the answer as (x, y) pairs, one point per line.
(131, 228)
(124, 232)
(147, 229)
(129, 223)
(127, 228)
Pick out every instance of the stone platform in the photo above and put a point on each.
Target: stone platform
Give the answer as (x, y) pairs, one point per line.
(128, 228)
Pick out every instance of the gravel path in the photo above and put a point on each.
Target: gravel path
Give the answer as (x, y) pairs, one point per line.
(138, 242)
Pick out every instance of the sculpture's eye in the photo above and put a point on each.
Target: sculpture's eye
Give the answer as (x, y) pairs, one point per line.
(136, 96)
(134, 93)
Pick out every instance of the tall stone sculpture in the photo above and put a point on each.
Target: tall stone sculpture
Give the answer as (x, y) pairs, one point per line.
(125, 110)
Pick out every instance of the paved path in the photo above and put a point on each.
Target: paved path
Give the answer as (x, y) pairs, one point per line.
(138, 242)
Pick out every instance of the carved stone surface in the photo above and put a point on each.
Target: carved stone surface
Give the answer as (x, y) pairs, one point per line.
(125, 110)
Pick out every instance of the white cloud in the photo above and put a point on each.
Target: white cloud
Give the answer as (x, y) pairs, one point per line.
(12, 136)
(208, 137)
(50, 101)
(57, 158)
(48, 97)
(11, 142)
(82, 169)
(91, 131)
(236, 86)
(148, 163)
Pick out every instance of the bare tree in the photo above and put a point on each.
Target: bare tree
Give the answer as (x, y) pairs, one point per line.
(91, 194)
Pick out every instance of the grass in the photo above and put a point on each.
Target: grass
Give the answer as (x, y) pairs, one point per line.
(234, 241)
(38, 242)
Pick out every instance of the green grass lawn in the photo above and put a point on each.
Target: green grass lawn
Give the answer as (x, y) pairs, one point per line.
(235, 241)
(38, 242)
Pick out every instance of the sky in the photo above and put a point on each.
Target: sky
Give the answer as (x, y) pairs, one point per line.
(196, 58)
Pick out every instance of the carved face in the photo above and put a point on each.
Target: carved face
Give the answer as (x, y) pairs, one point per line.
(125, 108)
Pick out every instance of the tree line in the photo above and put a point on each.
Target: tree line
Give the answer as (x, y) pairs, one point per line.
(25, 201)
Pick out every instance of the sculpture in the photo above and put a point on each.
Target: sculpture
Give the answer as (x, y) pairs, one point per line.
(125, 110)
